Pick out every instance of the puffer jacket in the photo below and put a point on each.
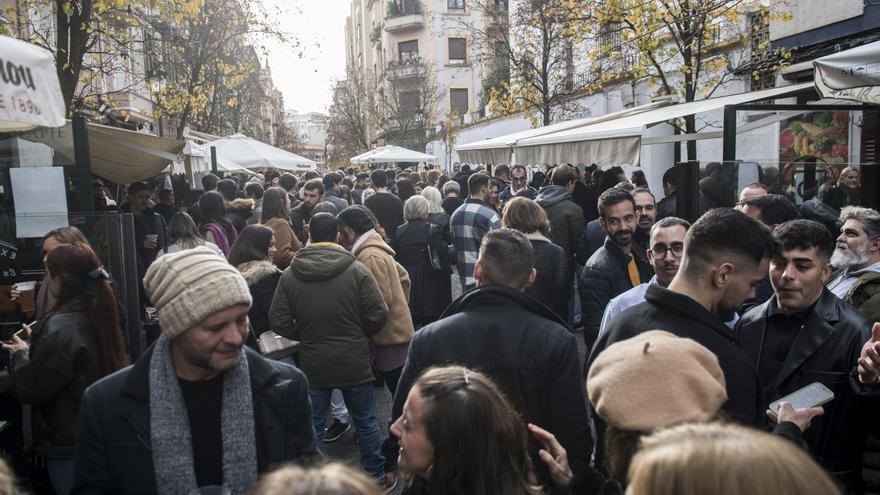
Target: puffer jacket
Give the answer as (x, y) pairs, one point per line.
(262, 279)
(330, 302)
(52, 375)
(551, 285)
(394, 284)
(566, 219)
(604, 277)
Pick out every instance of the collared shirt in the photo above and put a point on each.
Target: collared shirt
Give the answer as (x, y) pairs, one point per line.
(780, 334)
(634, 296)
(845, 281)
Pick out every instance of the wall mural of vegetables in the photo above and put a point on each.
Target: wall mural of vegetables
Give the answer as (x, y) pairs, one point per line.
(823, 135)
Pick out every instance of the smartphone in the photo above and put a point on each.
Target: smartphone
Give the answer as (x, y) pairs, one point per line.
(814, 394)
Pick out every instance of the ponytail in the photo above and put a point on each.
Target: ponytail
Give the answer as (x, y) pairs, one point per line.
(104, 317)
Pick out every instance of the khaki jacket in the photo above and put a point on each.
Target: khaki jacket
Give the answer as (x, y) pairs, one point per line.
(394, 284)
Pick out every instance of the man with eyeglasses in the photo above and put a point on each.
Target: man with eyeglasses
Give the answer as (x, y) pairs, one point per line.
(519, 185)
(667, 246)
(646, 211)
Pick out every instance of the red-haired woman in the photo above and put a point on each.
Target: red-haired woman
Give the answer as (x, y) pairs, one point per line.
(67, 350)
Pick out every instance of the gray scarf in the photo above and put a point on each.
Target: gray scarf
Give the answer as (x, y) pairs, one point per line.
(170, 435)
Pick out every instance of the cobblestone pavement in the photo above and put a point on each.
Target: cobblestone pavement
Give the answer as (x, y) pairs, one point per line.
(345, 448)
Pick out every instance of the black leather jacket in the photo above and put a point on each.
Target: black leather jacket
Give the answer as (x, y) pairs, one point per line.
(53, 374)
(551, 287)
(114, 456)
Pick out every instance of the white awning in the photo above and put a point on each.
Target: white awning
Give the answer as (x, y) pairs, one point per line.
(396, 154)
(851, 74)
(625, 133)
(252, 154)
(497, 150)
(30, 94)
(360, 158)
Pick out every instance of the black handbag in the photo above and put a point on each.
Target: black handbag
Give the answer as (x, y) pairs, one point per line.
(434, 259)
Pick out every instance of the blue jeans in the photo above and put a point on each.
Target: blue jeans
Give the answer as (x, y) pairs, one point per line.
(362, 408)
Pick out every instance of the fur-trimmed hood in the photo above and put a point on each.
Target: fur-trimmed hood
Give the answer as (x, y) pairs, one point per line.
(240, 204)
(255, 271)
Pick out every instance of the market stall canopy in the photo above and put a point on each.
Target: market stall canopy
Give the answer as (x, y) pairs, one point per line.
(497, 150)
(360, 158)
(252, 154)
(396, 154)
(851, 74)
(200, 158)
(30, 95)
(618, 141)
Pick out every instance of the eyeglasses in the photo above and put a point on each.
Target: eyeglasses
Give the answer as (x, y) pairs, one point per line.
(659, 251)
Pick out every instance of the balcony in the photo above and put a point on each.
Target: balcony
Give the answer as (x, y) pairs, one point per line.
(405, 16)
(137, 107)
(408, 66)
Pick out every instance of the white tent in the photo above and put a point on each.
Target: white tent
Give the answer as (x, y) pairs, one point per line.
(396, 154)
(29, 89)
(360, 158)
(200, 160)
(618, 141)
(252, 154)
(851, 74)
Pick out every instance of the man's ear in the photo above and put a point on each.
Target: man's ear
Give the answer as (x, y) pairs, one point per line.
(602, 224)
(722, 274)
(826, 272)
(874, 245)
(478, 272)
(532, 276)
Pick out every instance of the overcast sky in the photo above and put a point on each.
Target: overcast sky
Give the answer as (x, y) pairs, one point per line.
(306, 82)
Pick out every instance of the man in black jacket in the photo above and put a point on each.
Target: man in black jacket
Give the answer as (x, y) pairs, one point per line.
(199, 408)
(726, 253)
(312, 194)
(617, 266)
(523, 346)
(805, 334)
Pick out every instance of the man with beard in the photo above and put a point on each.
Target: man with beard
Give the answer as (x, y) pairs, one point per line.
(857, 259)
(646, 211)
(805, 334)
(616, 267)
(312, 194)
(664, 254)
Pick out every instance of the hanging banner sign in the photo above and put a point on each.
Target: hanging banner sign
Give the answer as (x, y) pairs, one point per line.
(30, 94)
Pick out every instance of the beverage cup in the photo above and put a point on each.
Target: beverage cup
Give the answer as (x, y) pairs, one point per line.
(26, 299)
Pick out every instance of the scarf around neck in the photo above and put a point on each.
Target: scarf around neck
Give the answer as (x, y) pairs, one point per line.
(170, 434)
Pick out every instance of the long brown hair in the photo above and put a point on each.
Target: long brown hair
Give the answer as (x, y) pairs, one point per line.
(276, 204)
(77, 270)
(479, 440)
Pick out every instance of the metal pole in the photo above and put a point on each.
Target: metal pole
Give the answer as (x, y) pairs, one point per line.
(728, 153)
(213, 160)
(82, 156)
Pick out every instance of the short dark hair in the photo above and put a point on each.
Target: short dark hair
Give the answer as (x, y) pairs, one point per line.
(287, 181)
(805, 234)
(612, 197)
(379, 178)
(314, 184)
(330, 180)
(136, 187)
(361, 176)
(506, 257)
(775, 208)
(671, 176)
(665, 223)
(501, 170)
(723, 232)
(254, 189)
(477, 182)
(391, 173)
(326, 207)
(209, 182)
(356, 219)
(643, 190)
(165, 194)
(322, 228)
(562, 174)
(228, 188)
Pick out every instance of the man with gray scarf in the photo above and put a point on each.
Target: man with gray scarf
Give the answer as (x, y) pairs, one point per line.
(198, 408)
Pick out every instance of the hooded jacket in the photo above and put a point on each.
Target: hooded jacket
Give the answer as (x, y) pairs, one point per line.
(331, 303)
(238, 211)
(394, 284)
(285, 240)
(566, 219)
(262, 279)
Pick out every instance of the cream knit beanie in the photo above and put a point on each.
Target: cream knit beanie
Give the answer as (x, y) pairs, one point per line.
(655, 380)
(191, 285)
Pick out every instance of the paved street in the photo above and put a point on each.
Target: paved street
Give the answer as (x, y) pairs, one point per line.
(345, 448)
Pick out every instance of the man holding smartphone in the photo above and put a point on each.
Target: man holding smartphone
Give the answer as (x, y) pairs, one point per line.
(805, 334)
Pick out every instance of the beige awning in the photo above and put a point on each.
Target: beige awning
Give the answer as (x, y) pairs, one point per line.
(124, 156)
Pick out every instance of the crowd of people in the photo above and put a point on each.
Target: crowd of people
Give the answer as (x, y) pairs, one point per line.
(284, 300)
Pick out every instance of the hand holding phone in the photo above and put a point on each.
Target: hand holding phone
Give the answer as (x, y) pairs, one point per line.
(813, 395)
